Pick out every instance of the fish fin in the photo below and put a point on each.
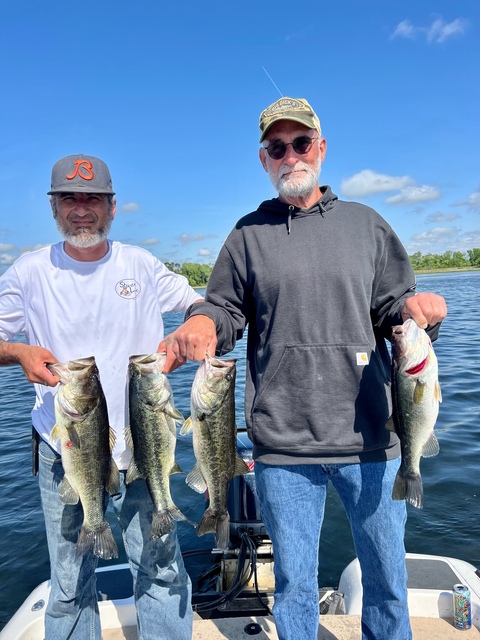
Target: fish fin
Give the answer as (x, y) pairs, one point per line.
(164, 521)
(196, 481)
(56, 433)
(175, 468)
(133, 472)
(217, 524)
(187, 426)
(101, 542)
(173, 413)
(113, 482)
(128, 437)
(241, 466)
(431, 448)
(73, 437)
(418, 392)
(390, 425)
(222, 534)
(67, 493)
(437, 392)
(112, 438)
(408, 487)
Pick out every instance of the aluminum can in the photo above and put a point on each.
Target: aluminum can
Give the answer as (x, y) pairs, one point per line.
(462, 608)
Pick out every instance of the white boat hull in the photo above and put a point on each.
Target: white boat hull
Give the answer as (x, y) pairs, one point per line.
(431, 580)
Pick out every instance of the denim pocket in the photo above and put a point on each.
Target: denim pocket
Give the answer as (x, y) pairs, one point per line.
(48, 454)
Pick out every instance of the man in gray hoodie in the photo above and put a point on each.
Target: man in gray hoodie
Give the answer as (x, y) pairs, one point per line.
(320, 283)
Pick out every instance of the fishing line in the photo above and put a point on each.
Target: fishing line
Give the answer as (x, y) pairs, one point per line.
(269, 77)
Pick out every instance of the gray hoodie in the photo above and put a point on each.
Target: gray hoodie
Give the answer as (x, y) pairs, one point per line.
(320, 289)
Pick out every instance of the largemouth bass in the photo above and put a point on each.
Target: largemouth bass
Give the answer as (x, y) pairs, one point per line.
(212, 420)
(152, 437)
(416, 396)
(86, 443)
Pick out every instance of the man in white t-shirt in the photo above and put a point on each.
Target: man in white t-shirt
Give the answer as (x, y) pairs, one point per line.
(90, 296)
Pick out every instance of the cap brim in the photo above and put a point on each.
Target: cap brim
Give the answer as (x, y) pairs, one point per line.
(291, 118)
(68, 189)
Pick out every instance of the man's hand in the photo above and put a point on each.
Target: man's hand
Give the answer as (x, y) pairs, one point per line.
(191, 341)
(425, 308)
(32, 359)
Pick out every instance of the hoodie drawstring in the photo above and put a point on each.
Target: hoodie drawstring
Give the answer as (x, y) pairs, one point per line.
(289, 219)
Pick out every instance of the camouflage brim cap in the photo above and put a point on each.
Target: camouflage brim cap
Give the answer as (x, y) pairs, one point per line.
(296, 109)
(81, 173)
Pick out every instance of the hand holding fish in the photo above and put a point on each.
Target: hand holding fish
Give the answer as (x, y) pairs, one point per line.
(191, 341)
(32, 359)
(426, 309)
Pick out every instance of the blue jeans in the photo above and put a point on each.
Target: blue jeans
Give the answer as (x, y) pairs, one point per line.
(292, 501)
(162, 587)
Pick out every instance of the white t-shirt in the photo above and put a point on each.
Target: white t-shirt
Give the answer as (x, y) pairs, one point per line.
(110, 309)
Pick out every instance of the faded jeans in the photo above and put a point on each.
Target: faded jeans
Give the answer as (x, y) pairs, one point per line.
(162, 588)
(292, 501)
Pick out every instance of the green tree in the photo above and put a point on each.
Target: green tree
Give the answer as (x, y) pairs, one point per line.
(173, 266)
(196, 274)
(447, 260)
(474, 257)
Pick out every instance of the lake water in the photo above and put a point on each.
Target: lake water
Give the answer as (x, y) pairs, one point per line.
(448, 525)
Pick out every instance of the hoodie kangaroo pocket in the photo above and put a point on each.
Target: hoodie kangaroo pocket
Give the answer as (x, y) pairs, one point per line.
(322, 399)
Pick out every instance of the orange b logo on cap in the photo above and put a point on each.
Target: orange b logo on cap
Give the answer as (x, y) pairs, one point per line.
(83, 169)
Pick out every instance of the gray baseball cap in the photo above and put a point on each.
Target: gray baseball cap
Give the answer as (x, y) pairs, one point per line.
(85, 174)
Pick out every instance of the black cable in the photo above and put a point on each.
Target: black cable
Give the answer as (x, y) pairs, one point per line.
(242, 576)
(265, 603)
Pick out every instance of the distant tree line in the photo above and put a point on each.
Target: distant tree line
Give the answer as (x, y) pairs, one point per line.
(198, 274)
(447, 260)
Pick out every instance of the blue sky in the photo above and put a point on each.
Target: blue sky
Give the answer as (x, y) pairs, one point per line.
(169, 95)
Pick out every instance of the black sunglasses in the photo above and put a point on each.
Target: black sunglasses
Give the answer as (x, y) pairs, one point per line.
(301, 145)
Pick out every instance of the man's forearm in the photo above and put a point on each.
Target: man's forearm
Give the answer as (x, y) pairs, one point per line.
(10, 352)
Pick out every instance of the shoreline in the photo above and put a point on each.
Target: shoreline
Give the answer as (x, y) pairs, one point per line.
(446, 270)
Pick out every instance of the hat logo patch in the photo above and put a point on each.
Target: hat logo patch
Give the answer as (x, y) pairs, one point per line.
(83, 169)
(284, 104)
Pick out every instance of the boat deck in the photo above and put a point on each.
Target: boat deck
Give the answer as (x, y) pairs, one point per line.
(332, 627)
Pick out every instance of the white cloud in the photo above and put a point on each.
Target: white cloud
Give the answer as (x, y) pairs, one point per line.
(187, 238)
(7, 258)
(404, 29)
(442, 217)
(443, 239)
(129, 207)
(148, 242)
(412, 195)
(204, 252)
(368, 182)
(435, 240)
(437, 32)
(7, 247)
(472, 202)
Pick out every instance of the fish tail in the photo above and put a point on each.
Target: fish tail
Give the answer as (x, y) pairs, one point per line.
(164, 521)
(100, 541)
(217, 524)
(408, 487)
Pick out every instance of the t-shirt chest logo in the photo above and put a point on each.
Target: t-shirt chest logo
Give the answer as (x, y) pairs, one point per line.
(128, 288)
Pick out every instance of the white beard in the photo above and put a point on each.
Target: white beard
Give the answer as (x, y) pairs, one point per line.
(298, 186)
(84, 238)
